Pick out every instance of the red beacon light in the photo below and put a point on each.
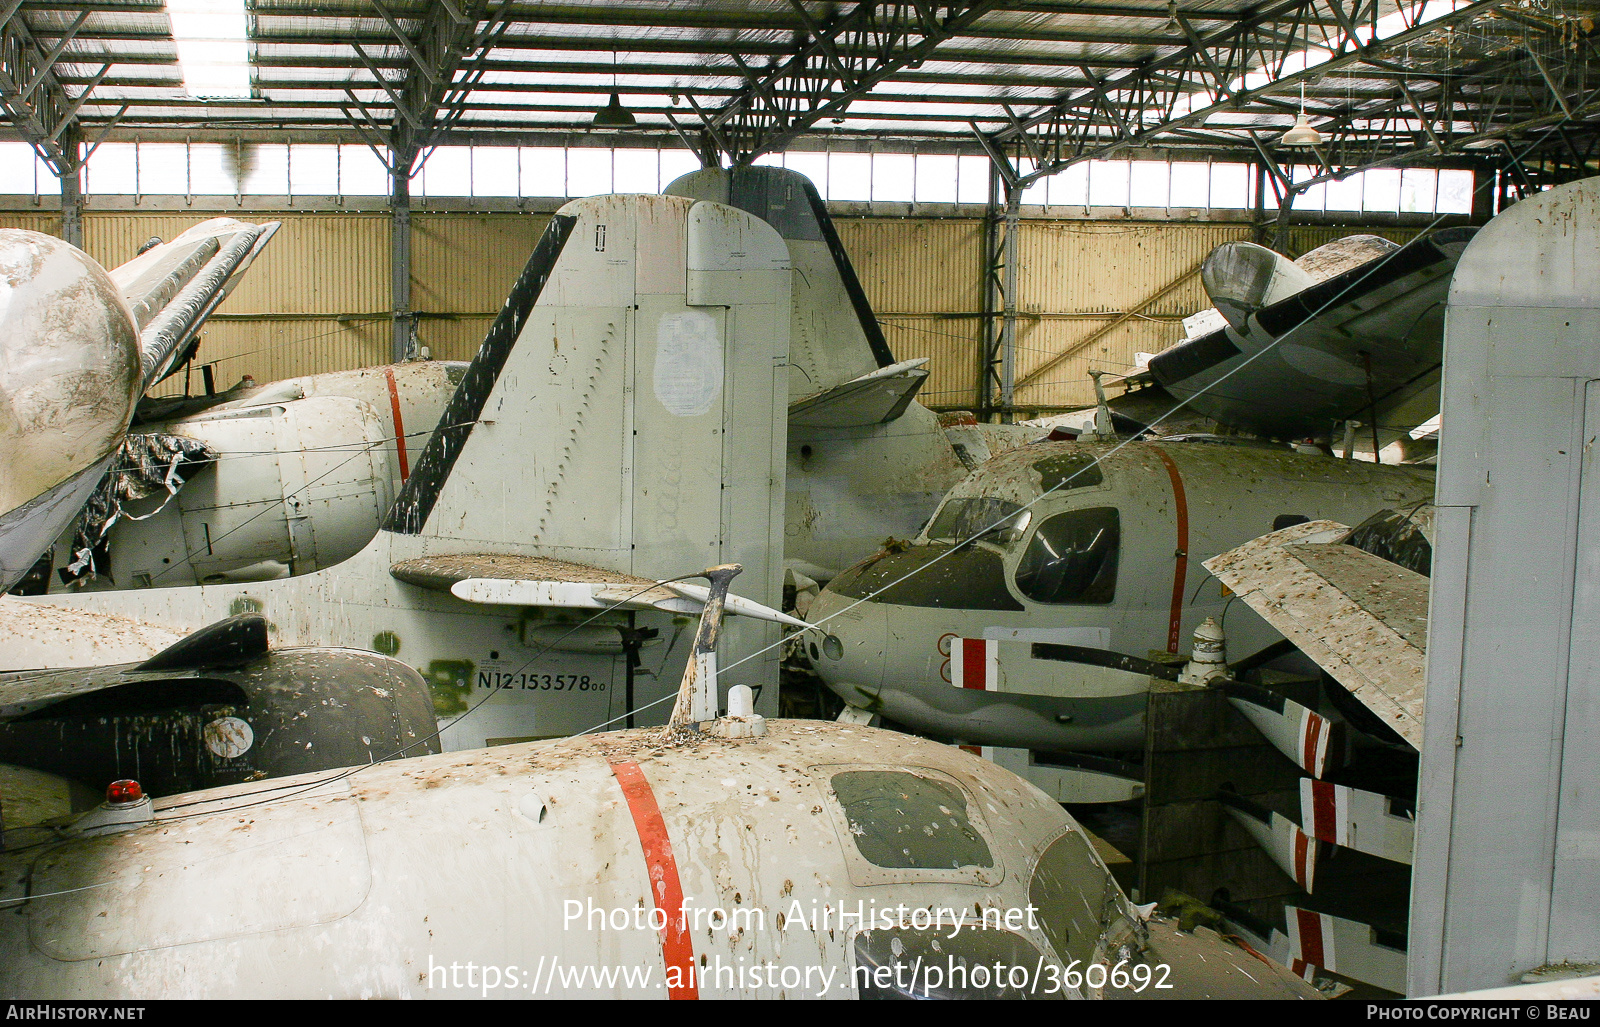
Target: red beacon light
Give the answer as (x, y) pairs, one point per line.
(124, 792)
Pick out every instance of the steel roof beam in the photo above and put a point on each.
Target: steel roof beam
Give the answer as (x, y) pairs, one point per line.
(883, 38)
(601, 44)
(33, 99)
(1078, 127)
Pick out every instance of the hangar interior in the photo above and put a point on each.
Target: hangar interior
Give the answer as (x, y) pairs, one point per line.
(1038, 199)
(892, 111)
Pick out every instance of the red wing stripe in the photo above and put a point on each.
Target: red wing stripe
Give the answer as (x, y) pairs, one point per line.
(1180, 566)
(399, 425)
(1310, 732)
(677, 948)
(1304, 858)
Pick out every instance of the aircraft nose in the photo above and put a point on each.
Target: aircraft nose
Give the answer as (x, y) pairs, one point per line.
(851, 654)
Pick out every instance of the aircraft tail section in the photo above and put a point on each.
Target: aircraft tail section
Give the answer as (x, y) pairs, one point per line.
(835, 337)
(416, 500)
(625, 411)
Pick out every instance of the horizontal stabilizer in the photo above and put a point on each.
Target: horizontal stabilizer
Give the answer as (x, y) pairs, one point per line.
(499, 580)
(173, 287)
(874, 398)
(1297, 353)
(1266, 939)
(1361, 618)
(735, 604)
(1348, 948)
(1073, 777)
(1313, 742)
(227, 643)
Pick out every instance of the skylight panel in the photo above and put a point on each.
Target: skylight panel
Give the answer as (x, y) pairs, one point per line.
(212, 50)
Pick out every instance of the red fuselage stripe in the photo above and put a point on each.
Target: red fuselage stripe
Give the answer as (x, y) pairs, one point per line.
(677, 949)
(973, 664)
(1180, 567)
(399, 425)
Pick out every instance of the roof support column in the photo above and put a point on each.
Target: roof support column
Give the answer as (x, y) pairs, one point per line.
(71, 178)
(997, 372)
(988, 328)
(1008, 322)
(403, 345)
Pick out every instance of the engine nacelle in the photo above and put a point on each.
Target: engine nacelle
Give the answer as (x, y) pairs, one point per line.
(297, 486)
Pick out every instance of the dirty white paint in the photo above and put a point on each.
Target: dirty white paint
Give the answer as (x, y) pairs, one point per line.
(1360, 617)
(688, 364)
(363, 887)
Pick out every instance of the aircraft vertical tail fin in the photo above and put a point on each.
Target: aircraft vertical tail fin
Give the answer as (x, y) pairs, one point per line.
(625, 411)
(835, 337)
(421, 491)
(172, 287)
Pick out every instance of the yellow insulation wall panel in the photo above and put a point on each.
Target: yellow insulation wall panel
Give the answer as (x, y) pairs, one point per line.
(1091, 295)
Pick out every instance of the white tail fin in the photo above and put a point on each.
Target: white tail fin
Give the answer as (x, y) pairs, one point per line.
(835, 337)
(172, 287)
(626, 409)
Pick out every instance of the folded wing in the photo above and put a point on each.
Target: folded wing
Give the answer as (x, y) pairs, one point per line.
(172, 287)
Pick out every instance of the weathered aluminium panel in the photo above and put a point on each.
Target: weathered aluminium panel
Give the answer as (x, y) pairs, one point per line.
(1507, 872)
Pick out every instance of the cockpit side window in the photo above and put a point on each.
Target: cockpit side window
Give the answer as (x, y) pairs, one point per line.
(964, 518)
(1072, 558)
(901, 820)
(970, 578)
(1074, 896)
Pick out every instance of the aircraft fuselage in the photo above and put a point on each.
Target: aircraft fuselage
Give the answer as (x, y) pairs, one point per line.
(1109, 560)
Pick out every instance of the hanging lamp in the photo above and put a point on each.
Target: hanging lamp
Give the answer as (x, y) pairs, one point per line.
(613, 114)
(1301, 133)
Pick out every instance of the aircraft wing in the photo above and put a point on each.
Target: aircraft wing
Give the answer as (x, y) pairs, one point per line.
(502, 580)
(1361, 618)
(172, 287)
(876, 397)
(1364, 344)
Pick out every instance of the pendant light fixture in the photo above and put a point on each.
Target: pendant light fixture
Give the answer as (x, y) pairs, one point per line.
(613, 114)
(1301, 133)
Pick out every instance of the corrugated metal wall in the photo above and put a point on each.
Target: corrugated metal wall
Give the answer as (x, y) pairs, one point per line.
(462, 267)
(1075, 281)
(923, 278)
(318, 298)
(50, 224)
